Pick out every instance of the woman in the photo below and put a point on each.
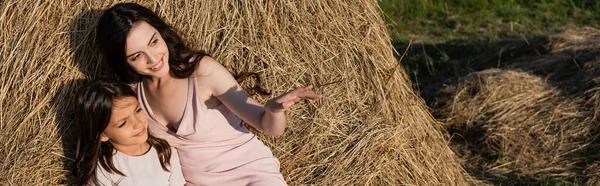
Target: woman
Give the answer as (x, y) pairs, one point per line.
(193, 101)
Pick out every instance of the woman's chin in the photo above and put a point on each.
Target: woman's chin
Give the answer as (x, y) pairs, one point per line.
(157, 74)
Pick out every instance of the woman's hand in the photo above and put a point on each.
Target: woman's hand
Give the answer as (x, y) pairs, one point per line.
(281, 103)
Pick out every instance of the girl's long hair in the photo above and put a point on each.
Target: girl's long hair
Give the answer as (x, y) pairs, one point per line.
(93, 109)
(111, 34)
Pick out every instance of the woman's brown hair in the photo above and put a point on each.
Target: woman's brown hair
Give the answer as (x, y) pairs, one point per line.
(111, 34)
(116, 23)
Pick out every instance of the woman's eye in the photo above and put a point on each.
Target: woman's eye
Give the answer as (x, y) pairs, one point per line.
(135, 57)
(138, 110)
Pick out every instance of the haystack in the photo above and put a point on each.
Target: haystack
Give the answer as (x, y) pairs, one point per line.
(370, 129)
(530, 110)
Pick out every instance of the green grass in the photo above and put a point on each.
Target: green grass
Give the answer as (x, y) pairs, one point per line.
(463, 28)
(484, 20)
(549, 181)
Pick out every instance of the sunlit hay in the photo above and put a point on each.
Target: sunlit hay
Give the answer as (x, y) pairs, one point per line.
(370, 129)
(574, 39)
(512, 122)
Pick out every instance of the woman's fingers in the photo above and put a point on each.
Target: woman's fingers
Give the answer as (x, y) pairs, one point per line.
(312, 95)
(290, 103)
(287, 100)
(296, 99)
(305, 92)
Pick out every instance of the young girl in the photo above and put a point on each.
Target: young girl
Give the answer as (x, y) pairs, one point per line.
(115, 147)
(193, 102)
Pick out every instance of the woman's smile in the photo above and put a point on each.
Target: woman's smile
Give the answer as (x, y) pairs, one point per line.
(158, 65)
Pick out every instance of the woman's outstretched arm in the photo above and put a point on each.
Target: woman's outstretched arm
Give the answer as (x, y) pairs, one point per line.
(269, 118)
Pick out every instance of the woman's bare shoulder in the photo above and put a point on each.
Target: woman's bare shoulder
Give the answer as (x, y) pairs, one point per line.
(213, 75)
(208, 66)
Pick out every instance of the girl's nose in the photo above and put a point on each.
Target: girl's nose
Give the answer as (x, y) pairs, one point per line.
(138, 123)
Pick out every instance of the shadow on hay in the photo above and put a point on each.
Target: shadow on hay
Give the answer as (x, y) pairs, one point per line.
(82, 44)
(63, 102)
(434, 66)
(81, 38)
(573, 72)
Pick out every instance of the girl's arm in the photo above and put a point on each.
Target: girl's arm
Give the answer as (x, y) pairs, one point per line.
(176, 178)
(269, 118)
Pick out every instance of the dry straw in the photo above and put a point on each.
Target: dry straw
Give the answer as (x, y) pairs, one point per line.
(534, 114)
(370, 129)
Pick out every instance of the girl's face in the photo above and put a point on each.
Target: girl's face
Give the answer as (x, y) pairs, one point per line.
(146, 52)
(128, 125)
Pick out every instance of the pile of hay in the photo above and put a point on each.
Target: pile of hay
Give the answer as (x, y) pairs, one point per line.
(370, 129)
(530, 110)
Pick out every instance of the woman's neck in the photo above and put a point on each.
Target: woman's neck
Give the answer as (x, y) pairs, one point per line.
(157, 82)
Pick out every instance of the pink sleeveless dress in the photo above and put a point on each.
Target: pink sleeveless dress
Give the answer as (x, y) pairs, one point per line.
(214, 147)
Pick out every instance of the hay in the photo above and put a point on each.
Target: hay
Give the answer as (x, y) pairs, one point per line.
(370, 129)
(526, 126)
(529, 111)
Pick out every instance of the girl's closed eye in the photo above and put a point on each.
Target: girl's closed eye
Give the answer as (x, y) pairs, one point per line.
(138, 110)
(122, 124)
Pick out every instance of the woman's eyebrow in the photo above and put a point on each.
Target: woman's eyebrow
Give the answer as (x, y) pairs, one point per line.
(130, 55)
(148, 44)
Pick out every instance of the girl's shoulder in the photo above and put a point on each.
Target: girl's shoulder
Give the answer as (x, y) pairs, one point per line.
(136, 169)
(174, 151)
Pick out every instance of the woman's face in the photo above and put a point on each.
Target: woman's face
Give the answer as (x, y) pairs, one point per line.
(146, 52)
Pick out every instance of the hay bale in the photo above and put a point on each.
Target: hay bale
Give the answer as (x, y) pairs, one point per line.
(370, 129)
(515, 123)
(495, 103)
(574, 39)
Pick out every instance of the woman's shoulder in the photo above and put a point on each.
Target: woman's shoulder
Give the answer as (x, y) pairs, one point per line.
(209, 69)
(213, 76)
(207, 65)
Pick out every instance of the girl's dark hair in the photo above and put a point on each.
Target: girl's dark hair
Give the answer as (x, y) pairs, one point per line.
(112, 31)
(93, 109)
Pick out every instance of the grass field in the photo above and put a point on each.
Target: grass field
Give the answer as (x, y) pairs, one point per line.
(462, 28)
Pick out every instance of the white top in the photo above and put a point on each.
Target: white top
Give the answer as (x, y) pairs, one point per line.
(142, 170)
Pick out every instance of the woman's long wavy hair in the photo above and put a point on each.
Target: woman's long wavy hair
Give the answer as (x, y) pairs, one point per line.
(111, 34)
(93, 109)
(116, 23)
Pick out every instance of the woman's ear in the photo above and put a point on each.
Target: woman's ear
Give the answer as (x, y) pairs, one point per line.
(103, 138)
